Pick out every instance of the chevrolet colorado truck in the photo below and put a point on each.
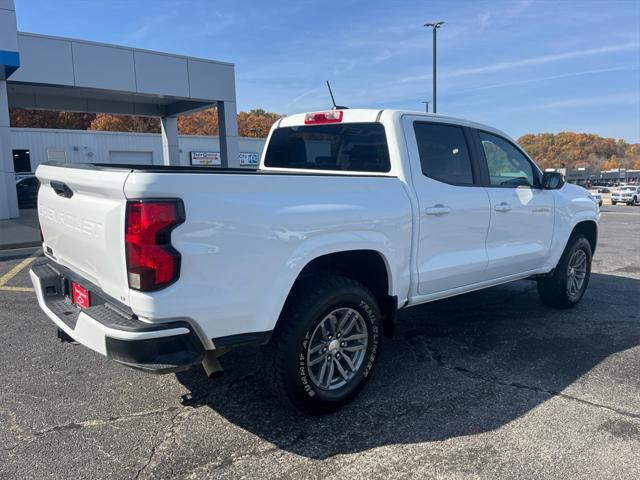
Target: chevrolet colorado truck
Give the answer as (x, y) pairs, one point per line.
(351, 216)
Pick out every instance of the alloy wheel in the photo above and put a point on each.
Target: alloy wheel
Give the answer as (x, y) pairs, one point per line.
(577, 273)
(337, 348)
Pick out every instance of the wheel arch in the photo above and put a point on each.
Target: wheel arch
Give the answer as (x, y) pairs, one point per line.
(589, 229)
(367, 266)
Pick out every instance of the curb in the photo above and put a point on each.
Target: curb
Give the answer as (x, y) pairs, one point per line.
(14, 246)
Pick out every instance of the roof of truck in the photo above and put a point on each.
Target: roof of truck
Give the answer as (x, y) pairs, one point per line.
(373, 115)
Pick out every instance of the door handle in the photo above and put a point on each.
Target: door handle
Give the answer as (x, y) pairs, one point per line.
(502, 207)
(437, 209)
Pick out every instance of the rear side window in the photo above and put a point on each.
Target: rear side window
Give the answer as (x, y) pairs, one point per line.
(444, 155)
(356, 147)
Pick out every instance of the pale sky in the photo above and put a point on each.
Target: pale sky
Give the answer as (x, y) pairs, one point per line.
(524, 66)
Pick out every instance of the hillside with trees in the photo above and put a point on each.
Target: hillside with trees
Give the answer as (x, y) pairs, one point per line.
(549, 150)
(576, 150)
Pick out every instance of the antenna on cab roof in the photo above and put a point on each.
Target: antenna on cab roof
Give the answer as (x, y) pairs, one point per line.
(333, 101)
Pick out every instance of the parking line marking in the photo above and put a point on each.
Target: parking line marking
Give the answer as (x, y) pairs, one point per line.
(17, 289)
(17, 269)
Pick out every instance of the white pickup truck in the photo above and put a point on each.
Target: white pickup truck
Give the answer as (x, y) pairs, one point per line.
(629, 194)
(352, 215)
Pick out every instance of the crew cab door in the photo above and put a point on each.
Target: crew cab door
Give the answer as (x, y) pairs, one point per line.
(453, 206)
(522, 213)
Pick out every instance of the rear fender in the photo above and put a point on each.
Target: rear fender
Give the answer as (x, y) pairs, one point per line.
(325, 245)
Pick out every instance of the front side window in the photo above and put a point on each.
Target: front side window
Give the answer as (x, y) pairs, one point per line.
(356, 147)
(508, 167)
(444, 155)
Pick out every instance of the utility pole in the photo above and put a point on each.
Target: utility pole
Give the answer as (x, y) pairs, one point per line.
(435, 26)
(426, 104)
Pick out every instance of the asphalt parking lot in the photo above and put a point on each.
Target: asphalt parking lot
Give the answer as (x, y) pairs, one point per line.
(488, 385)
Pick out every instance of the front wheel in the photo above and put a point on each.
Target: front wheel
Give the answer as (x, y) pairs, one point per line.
(325, 345)
(566, 286)
(613, 203)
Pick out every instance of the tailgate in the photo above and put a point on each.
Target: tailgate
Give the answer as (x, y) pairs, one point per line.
(81, 212)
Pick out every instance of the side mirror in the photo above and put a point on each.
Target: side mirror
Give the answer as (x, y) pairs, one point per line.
(552, 180)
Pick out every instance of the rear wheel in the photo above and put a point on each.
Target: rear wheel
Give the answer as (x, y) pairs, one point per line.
(569, 281)
(325, 345)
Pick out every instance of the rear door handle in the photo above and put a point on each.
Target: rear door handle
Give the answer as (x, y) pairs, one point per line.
(437, 209)
(502, 207)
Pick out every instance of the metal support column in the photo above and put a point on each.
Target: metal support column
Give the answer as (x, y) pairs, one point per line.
(8, 197)
(170, 145)
(228, 131)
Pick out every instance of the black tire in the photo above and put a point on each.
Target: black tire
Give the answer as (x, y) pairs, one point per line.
(613, 203)
(285, 364)
(554, 290)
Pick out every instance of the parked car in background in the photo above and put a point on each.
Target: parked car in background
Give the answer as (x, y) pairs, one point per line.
(27, 189)
(629, 194)
(604, 190)
(351, 216)
(598, 198)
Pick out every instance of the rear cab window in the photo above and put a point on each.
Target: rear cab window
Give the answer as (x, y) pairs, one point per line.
(354, 147)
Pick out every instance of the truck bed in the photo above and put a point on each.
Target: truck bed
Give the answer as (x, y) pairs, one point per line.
(202, 170)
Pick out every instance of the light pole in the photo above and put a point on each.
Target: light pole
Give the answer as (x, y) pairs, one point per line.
(435, 26)
(426, 104)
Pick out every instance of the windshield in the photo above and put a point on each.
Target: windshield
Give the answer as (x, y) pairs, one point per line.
(357, 147)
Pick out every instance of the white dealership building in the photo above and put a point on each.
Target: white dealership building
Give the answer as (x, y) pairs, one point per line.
(53, 73)
(32, 146)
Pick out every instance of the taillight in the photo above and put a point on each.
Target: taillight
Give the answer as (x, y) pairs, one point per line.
(152, 262)
(332, 116)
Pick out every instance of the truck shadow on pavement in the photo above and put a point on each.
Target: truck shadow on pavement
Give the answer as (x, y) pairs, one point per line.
(460, 366)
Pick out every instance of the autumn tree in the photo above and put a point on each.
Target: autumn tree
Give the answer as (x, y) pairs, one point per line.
(125, 123)
(611, 163)
(256, 123)
(22, 118)
(202, 122)
(572, 150)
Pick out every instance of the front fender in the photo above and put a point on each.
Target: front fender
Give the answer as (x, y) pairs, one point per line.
(573, 206)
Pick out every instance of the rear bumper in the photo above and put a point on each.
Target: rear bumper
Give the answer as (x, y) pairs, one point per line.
(110, 328)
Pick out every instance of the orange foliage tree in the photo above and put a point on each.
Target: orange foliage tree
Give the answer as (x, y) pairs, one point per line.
(22, 118)
(202, 122)
(254, 123)
(611, 163)
(125, 123)
(571, 150)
